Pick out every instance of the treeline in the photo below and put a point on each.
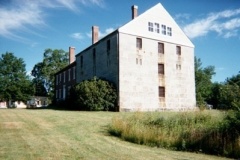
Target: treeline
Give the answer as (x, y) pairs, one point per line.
(221, 95)
(17, 85)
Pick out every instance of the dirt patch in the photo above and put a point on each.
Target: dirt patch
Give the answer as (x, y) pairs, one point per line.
(11, 125)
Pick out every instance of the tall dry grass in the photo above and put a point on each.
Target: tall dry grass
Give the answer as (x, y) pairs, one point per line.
(208, 132)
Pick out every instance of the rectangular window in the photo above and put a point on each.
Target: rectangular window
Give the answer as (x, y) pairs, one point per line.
(81, 60)
(108, 45)
(163, 29)
(56, 94)
(178, 66)
(150, 26)
(160, 48)
(169, 31)
(161, 91)
(178, 50)
(69, 74)
(74, 70)
(160, 68)
(68, 90)
(60, 92)
(139, 43)
(56, 79)
(64, 92)
(59, 78)
(157, 29)
(64, 76)
(94, 61)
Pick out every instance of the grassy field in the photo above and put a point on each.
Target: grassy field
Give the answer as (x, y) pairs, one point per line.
(56, 134)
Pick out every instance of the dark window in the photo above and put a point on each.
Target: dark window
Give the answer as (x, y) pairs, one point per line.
(150, 26)
(56, 79)
(139, 43)
(160, 68)
(164, 29)
(157, 28)
(81, 61)
(108, 45)
(161, 91)
(160, 48)
(74, 70)
(94, 61)
(169, 31)
(69, 74)
(178, 50)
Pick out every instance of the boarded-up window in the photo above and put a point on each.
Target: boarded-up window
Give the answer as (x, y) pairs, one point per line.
(161, 91)
(160, 68)
(160, 48)
(139, 43)
(178, 50)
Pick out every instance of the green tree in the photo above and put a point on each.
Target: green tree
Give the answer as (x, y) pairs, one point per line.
(14, 83)
(94, 95)
(235, 79)
(43, 72)
(226, 95)
(203, 82)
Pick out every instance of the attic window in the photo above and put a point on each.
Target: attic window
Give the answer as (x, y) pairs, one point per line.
(163, 29)
(169, 31)
(150, 26)
(157, 27)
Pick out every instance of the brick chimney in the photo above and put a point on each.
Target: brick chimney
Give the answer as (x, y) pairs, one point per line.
(71, 54)
(94, 34)
(134, 11)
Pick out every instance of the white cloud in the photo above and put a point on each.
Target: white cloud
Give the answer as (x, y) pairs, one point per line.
(225, 23)
(101, 34)
(106, 32)
(182, 16)
(22, 16)
(77, 36)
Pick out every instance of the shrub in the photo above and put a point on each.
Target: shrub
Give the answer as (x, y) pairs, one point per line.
(94, 95)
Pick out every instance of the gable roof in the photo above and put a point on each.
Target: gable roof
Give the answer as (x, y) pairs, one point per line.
(157, 14)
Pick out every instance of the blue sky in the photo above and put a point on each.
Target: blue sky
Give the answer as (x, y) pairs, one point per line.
(28, 27)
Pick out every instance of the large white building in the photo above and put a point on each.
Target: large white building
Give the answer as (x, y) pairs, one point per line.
(149, 59)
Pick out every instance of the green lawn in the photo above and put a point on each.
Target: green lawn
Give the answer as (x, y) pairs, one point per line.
(55, 134)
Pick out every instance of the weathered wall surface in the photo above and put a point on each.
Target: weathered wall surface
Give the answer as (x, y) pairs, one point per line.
(103, 65)
(138, 74)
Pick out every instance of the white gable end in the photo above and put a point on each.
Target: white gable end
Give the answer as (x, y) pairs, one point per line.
(149, 24)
